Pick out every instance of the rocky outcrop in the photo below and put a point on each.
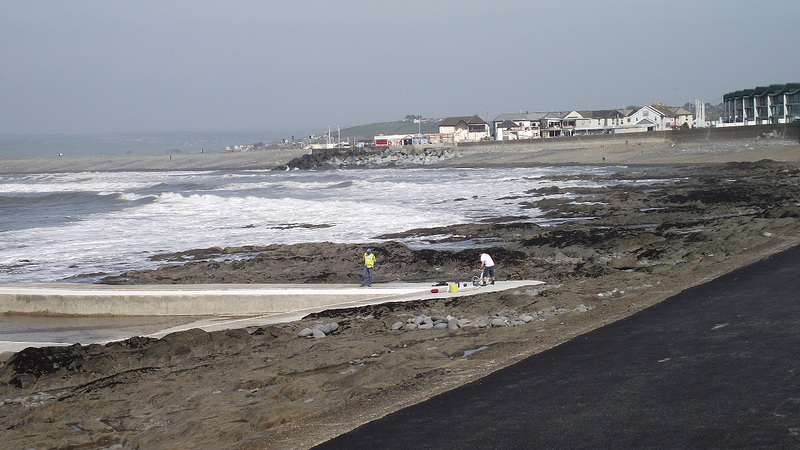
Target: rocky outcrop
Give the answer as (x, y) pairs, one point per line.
(368, 157)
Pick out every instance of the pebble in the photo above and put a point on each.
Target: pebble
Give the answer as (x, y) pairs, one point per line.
(420, 322)
(319, 330)
(317, 334)
(527, 318)
(498, 322)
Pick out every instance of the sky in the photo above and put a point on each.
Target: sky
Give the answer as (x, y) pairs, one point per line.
(283, 67)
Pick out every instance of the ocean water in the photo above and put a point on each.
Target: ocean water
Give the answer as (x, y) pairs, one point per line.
(78, 227)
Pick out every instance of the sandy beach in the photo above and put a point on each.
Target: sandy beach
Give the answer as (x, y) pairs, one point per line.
(640, 149)
(267, 387)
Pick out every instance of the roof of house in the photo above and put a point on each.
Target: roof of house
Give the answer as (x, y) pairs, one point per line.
(532, 116)
(508, 123)
(606, 113)
(760, 91)
(556, 114)
(535, 116)
(664, 111)
(680, 111)
(469, 120)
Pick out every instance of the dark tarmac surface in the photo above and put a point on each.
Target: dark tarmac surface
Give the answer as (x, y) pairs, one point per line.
(716, 366)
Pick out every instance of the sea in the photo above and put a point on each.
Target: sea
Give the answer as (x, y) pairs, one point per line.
(81, 227)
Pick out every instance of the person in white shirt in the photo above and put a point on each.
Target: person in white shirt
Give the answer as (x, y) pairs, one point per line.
(487, 268)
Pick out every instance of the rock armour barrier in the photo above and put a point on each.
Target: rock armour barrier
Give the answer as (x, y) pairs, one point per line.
(369, 157)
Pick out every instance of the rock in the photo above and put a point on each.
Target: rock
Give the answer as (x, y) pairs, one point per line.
(23, 381)
(305, 332)
(481, 322)
(396, 326)
(410, 326)
(527, 318)
(440, 326)
(495, 323)
(623, 263)
(425, 326)
(318, 334)
(94, 426)
(452, 324)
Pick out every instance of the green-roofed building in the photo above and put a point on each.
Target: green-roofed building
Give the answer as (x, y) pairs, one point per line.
(776, 103)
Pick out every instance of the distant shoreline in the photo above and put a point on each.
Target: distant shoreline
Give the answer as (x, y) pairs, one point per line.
(252, 160)
(645, 149)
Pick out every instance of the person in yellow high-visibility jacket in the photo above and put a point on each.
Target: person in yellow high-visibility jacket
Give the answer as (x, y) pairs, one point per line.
(369, 263)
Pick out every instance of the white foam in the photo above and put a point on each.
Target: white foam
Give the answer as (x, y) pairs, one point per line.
(163, 212)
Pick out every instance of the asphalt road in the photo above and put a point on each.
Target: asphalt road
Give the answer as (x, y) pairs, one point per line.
(716, 366)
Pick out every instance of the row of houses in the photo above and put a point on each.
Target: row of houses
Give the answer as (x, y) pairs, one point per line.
(773, 104)
(539, 125)
(776, 103)
(577, 123)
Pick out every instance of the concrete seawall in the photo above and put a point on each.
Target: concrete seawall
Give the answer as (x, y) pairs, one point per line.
(78, 299)
(64, 314)
(208, 299)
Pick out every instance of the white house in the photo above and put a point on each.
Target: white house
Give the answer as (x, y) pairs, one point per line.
(660, 117)
(465, 128)
(509, 127)
(646, 118)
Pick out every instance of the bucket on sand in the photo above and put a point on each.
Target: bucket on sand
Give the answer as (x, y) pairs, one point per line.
(453, 287)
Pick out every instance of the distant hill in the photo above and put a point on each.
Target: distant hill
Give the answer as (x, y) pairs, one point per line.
(400, 127)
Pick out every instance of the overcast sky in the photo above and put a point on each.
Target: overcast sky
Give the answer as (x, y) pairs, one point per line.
(300, 66)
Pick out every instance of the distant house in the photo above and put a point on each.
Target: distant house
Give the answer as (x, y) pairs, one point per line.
(660, 117)
(511, 127)
(465, 128)
(552, 124)
(681, 116)
(646, 118)
(603, 121)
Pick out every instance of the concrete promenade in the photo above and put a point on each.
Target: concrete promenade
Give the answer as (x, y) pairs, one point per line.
(716, 366)
(210, 307)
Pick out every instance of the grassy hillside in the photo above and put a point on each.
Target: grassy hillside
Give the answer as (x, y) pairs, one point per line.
(399, 127)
